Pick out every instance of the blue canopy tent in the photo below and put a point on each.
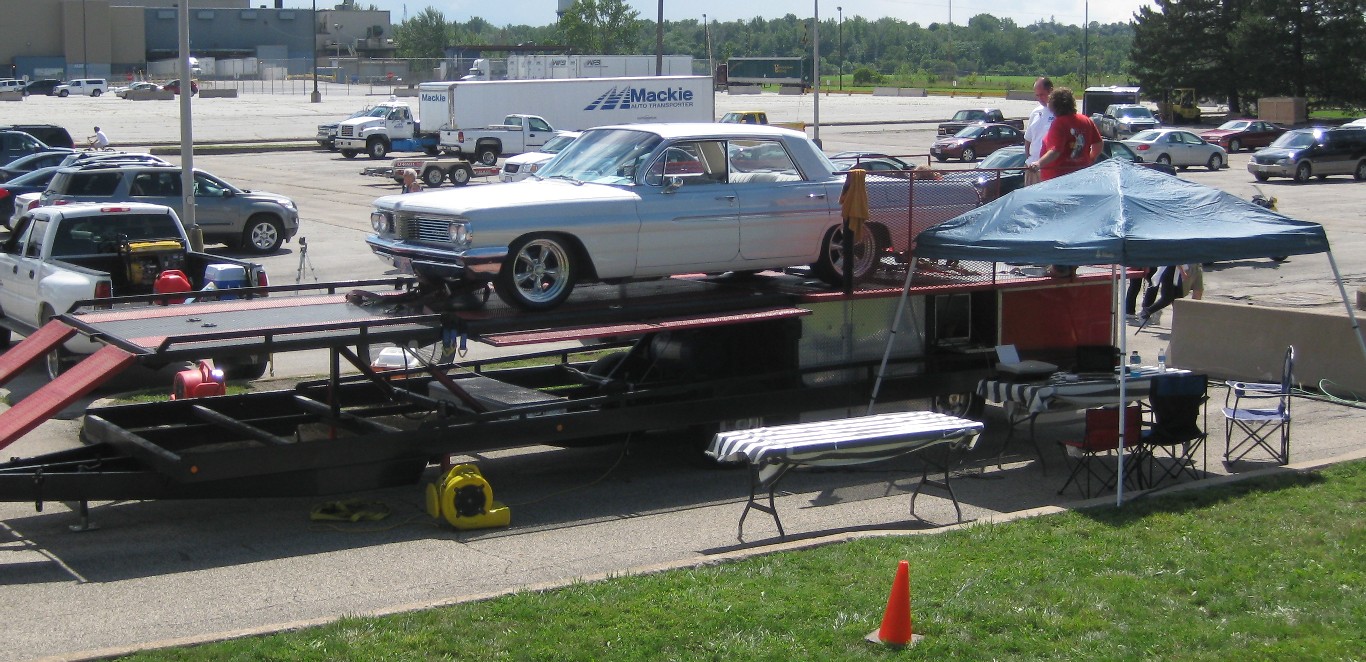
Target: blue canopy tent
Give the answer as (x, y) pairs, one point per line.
(1124, 215)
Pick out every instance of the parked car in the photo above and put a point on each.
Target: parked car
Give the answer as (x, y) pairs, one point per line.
(858, 156)
(1177, 147)
(82, 157)
(1001, 172)
(872, 164)
(82, 86)
(1316, 152)
(18, 144)
(517, 168)
(44, 86)
(51, 134)
(255, 220)
(29, 182)
(1121, 120)
(1360, 122)
(1234, 135)
(651, 200)
(976, 140)
(174, 87)
(122, 92)
(26, 164)
(12, 85)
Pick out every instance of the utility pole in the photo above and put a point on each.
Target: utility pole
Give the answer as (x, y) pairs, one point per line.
(659, 41)
(313, 52)
(841, 12)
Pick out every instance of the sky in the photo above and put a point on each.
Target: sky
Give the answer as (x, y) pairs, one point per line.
(924, 12)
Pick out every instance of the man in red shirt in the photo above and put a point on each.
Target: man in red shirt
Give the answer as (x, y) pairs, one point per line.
(1072, 143)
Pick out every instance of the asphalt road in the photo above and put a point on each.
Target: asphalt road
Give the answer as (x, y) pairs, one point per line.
(185, 571)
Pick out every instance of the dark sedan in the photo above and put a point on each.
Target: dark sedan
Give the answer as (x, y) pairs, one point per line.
(31, 182)
(41, 86)
(976, 140)
(1234, 135)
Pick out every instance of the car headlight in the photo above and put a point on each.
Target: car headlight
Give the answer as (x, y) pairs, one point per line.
(289, 204)
(534, 168)
(382, 221)
(460, 233)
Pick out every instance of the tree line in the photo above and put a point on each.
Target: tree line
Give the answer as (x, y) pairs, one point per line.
(1230, 50)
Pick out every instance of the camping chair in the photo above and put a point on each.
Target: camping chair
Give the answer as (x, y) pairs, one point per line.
(1092, 453)
(1255, 424)
(1175, 432)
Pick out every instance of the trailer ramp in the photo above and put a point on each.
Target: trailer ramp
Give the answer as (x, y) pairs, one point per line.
(55, 395)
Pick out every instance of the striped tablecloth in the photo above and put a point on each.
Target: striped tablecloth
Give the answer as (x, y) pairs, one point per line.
(1039, 397)
(841, 441)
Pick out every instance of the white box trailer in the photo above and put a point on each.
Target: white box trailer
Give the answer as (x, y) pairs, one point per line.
(529, 67)
(570, 104)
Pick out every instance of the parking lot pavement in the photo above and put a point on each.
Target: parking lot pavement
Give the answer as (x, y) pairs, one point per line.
(201, 569)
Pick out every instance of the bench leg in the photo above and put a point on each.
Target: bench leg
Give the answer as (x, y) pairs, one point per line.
(925, 480)
(771, 508)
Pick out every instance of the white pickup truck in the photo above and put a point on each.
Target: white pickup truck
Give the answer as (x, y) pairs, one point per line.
(59, 255)
(516, 135)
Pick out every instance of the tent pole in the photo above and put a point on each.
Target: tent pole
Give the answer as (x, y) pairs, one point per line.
(1123, 385)
(891, 337)
(1351, 314)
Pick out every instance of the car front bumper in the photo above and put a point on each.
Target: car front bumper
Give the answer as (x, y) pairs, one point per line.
(480, 264)
(1271, 169)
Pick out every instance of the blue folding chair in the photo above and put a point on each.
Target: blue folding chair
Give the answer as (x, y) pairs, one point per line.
(1260, 413)
(1177, 430)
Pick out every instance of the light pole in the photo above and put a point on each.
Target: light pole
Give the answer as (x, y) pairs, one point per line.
(313, 53)
(336, 39)
(841, 13)
(659, 41)
(85, 44)
(706, 33)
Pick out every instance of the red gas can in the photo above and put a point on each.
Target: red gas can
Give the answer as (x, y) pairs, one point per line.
(172, 281)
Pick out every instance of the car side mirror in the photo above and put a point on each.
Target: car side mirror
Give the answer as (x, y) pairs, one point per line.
(673, 184)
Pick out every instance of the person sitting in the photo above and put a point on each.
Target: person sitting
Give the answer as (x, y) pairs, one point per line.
(99, 140)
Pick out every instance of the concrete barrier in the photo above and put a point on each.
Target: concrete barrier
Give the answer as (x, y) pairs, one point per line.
(405, 91)
(1245, 342)
(899, 92)
(1020, 95)
(150, 95)
(14, 95)
(218, 93)
(744, 89)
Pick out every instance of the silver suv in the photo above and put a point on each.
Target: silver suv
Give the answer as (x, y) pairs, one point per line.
(255, 220)
(1122, 120)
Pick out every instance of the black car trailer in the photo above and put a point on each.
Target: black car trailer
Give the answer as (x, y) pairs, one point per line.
(702, 354)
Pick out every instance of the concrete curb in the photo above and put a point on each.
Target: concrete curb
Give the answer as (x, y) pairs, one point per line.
(682, 564)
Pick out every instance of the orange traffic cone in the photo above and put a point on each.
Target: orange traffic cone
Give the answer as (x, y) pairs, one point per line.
(896, 621)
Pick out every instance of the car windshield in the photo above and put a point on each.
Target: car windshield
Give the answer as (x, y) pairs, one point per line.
(34, 178)
(1004, 158)
(1119, 151)
(1146, 136)
(1235, 125)
(554, 145)
(1294, 140)
(604, 156)
(1136, 112)
(970, 131)
(378, 111)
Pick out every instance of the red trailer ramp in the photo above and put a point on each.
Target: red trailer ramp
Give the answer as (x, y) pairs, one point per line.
(54, 396)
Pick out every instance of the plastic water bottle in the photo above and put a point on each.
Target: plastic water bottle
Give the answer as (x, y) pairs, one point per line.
(1162, 358)
(1134, 362)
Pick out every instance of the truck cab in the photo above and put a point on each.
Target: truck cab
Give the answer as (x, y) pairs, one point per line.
(375, 132)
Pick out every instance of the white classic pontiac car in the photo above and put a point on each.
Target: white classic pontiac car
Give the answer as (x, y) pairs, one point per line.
(644, 201)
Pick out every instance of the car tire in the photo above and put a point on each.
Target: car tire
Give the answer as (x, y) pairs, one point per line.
(332, 145)
(432, 151)
(942, 158)
(64, 93)
(1360, 173)
(1234, 146)
(487, 156)
(433, 177)
(969, 155)
(1261, 176)
(460, 175)
(538, 273)
(349, 153)
(1215, 162)
(60, 359)
(6, 337)
(263, 234)
(242, 369)
(1303, 172)
(96, 93)
(376, 148)
(829, 267)
(1164, 159)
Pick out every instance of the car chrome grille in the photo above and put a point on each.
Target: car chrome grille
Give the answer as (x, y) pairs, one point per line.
(421, 228)
(348, 131)
(1264, 160)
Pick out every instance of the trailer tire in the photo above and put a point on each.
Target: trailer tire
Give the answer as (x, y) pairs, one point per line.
(460, 175)
(829, 267)
(538, 273)
(6, 337)
(242, 369)
(432, 150)
(263, 234)
(60, 359)
(376, 147)
(487, 155)
(433, 176)
(349, 153)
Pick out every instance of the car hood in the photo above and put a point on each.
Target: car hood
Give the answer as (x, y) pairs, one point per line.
(266, 196)
(361, 122)
(1277, 152)
(1217, 133)
(529, 158)
(952, 140)
(528, 194)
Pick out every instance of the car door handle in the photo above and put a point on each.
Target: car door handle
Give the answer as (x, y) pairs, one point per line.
(816, 196)
(726, 197)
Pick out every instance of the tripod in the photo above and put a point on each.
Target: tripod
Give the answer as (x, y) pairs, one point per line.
(304, 260)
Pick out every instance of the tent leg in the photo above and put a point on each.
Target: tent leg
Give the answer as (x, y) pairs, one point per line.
(891, 337)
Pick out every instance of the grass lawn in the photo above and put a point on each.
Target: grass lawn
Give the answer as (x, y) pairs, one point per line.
(1273, 569)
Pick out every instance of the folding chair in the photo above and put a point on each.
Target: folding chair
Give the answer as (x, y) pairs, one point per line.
(1093, 452)
(1257, 424)
(1176, 431)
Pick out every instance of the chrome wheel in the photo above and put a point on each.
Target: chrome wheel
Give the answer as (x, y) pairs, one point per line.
(263, 234)
(867, 252)
(538, 275)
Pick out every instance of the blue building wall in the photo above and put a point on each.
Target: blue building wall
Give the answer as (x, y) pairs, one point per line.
(231, 33)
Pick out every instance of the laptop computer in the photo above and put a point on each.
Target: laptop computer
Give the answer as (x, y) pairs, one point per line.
(1010, 365)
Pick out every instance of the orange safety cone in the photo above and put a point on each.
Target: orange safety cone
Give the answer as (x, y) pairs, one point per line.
(896, 630)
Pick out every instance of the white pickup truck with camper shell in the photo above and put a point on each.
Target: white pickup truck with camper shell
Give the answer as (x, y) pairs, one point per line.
(518, 134)
(652, 200)
(58, 255)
